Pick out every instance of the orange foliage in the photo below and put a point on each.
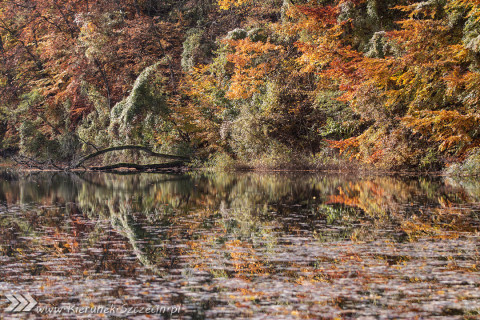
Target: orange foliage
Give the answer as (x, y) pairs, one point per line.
(253, 61)
(426, 73)
(450, 128)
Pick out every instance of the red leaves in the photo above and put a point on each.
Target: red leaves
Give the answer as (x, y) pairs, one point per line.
(326, 15)
(67, 49)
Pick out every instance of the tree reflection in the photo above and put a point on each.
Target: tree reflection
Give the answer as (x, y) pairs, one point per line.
(155, 212)
(223, 226)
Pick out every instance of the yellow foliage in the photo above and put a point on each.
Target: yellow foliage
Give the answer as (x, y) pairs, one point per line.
(227, 4)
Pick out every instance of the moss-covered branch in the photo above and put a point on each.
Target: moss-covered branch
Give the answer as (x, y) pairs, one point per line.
(120, 148)
(140, 167)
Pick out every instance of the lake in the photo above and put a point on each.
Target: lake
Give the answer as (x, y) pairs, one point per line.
(239, 246)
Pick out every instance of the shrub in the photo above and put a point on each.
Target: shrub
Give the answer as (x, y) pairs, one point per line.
(37, 144)
(221, 161)
(237, 34)
(469, 167)
(191, 45)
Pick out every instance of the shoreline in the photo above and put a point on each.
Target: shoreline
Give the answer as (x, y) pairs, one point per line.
(185, 169)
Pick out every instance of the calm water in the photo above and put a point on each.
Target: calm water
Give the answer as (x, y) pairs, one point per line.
(259, 246)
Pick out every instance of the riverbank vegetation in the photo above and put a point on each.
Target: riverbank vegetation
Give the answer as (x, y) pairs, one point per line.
(392, 85)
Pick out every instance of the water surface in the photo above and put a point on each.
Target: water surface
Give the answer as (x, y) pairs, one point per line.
(233, 246)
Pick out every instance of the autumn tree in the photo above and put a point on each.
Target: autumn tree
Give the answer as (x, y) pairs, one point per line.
(63, 60)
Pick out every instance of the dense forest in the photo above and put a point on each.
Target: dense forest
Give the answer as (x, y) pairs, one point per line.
(389, 85)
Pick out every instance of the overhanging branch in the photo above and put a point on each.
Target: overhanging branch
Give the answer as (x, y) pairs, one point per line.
(142, 167)
(127, 147)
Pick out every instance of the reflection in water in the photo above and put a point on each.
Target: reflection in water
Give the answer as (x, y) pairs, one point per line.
(243, 245)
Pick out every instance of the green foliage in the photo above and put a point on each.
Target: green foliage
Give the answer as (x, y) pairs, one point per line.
(430, 161)
(27, 101)
(222, 162)
(31, 140)
(45, 135)
(39, 145)
(3, 126)
(92, 130)
(471, 32)
(469, 167)
(341, 122)
(135, 119)
(377, 45)
(258, 34)
(237, 34)
(191, 45)
(249, 136)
